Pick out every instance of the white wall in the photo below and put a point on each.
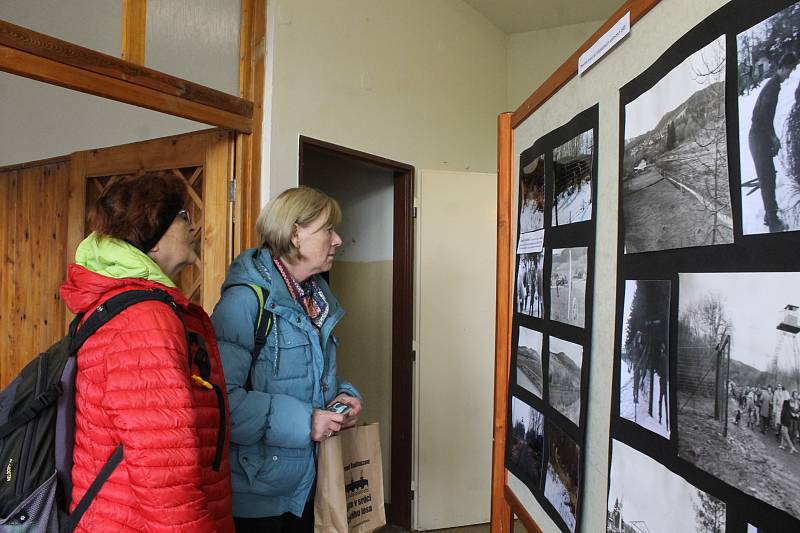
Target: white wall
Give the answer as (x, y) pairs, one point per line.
(417, 81)
(533, 56)
(197, 40)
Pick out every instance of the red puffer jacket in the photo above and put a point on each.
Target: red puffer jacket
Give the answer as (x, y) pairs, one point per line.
(133, 387)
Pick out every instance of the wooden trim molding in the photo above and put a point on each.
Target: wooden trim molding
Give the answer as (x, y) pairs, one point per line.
(501, 512)
(569, 69)
(34, 55)
(252, 58)
(134, 24)
(518, 509)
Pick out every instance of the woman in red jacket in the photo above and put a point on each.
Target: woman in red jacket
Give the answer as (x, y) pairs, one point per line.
(139, 380)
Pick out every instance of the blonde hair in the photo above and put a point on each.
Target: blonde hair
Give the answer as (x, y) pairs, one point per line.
(300, 205)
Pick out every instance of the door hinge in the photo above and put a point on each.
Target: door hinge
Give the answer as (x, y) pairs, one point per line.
(414, 355)
(414, 209)
(412, 495)
(232, 190)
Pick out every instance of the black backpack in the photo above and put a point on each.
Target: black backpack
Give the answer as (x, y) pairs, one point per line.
(37, 415)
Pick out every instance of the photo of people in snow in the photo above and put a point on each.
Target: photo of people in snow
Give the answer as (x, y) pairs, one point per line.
(769, 123)
(675, 182)
(644, 355)
(738, 380)
(572, 174)
(529, 284)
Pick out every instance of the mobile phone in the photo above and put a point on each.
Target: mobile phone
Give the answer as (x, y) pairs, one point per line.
(339, 407)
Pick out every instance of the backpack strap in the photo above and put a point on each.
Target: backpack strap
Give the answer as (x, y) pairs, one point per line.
(262, 327)
(94, 489)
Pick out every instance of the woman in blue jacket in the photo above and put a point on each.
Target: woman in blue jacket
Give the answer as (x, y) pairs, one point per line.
(278, 398)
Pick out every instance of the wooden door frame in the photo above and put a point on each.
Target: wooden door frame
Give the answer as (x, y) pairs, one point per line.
(402, 319)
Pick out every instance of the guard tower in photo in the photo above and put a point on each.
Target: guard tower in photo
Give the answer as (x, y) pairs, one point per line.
(787, 355)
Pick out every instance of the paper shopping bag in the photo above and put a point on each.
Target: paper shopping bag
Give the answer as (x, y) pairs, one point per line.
(349, 495)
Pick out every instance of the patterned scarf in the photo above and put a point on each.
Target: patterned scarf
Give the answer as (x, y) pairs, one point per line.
(308, 294)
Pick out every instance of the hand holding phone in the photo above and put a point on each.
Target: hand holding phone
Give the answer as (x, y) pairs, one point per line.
(339, 407)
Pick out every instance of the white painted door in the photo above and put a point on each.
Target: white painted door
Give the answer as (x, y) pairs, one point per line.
(455, 286)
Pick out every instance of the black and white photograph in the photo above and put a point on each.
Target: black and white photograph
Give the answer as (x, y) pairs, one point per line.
(526, 449)
(769, 123)
(531, 215)
(646, 497)
(529, 360)
(737, 407)
(644, 355)
(529, 285)
(572, 174)
(564, 378)
(568, 285)
(561, 483)
(674, 181)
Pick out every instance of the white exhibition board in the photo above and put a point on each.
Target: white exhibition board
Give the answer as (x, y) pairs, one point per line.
(649, 38)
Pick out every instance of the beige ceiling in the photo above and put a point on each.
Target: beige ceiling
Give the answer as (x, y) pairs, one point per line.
(515, 16)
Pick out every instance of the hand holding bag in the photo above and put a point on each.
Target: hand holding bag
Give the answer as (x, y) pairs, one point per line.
(349, 495)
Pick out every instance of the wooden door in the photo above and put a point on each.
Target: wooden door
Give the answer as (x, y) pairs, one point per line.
(204, 161)
(33, 230)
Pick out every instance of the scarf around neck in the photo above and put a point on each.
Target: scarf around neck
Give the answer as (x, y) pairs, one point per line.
(308, 294)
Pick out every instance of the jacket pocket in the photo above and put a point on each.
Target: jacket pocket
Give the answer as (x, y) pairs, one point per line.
(292, 358)
(251, 459)
(282, 473)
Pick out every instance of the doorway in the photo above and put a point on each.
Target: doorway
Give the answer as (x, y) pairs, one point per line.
(372, 278)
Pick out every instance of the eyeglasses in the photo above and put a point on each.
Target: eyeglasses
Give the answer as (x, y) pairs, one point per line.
(185, 214)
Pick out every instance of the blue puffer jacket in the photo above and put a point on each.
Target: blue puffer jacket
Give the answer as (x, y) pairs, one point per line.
(273, 459)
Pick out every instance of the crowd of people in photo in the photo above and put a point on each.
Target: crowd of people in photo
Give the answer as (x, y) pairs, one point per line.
(769, 409)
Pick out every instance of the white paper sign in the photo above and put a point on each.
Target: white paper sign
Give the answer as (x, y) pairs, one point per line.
(531, 242)
(605, 43)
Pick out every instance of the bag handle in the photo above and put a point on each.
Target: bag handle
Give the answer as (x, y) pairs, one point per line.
(262, 328)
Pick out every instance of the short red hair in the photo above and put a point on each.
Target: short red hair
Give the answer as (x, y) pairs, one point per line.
(139, 209)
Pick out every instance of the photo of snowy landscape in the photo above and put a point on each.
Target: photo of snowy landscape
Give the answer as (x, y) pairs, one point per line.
(531, 183)
(568, 285)
(562, 478)
(646, 497)
(769, 124)
(529, 284)
(564, 378)
(529, 360)
(572, 196)
(526, 448)
(737, 370)
(644, 360)
(674, 180)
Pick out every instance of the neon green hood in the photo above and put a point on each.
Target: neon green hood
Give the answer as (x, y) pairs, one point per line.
(115, 258)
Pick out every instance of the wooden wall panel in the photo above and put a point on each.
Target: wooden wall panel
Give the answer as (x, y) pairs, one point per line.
(33, 233)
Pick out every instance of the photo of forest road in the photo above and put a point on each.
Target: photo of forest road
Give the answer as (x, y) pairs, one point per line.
(529, 285)
(572, 162)
(646, 497)
(564, 378)
(738, 375)
(674, 181)
(561, 481)
(529, 360)
(531, 183)
(644, 361)
(769, 123)
(568, 286)
(527, 443)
